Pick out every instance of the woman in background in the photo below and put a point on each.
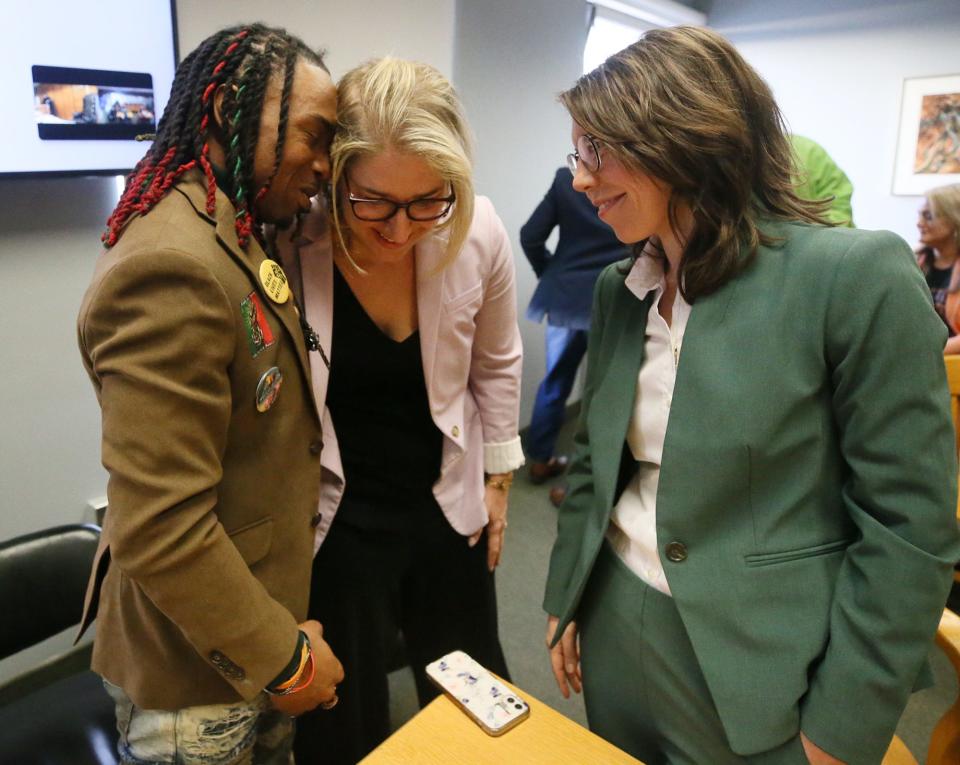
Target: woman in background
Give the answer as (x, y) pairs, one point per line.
(939, 255)
(764, 438)
(412, 293)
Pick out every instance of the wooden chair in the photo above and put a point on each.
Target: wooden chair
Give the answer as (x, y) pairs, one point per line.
(944, 746)
(953, 383)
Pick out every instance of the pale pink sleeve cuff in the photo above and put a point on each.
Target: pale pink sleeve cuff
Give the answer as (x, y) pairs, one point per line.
(502, 457)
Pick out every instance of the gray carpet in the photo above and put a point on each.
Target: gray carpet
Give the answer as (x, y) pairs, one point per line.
(520, 580)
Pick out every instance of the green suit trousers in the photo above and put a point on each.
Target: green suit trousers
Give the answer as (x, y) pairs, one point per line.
(643, 687)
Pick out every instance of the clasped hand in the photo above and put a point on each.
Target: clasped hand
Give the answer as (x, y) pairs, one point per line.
(328, 673)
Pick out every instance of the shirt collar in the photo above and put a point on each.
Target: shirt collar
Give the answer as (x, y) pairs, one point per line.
(646, 274)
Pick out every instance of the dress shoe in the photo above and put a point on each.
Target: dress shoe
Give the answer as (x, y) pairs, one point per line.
(557, 495)
(544, 471)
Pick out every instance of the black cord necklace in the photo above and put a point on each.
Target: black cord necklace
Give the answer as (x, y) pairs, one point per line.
(310, 337)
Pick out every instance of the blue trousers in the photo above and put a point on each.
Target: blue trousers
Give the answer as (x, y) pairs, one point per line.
(565, 349)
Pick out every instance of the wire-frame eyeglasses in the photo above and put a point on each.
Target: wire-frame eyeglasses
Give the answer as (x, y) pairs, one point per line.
(587, 152)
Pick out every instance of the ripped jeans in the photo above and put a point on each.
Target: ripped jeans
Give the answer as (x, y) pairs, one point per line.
(244, 733)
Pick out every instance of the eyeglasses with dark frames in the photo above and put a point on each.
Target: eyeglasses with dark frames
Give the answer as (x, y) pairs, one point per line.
(420, 210)
(586, 152)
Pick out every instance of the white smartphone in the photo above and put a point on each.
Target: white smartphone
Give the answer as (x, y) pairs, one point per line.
(487, 701)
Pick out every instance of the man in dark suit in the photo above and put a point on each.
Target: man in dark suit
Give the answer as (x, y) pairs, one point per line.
(564, 295)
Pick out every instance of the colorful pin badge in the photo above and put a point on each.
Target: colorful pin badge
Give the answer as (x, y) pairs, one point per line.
(269, 388)
(259, 334)
(274, 281)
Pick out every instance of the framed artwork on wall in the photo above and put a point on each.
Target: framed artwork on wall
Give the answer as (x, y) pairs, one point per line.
(928, 145)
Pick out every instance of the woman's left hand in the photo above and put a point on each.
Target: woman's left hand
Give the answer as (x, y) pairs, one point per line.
(496, 503)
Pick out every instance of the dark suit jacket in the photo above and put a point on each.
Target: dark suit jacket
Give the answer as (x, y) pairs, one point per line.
(586, 245)
(204, 567)
(809, 472)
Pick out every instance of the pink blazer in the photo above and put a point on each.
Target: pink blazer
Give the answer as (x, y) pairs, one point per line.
(472, 357)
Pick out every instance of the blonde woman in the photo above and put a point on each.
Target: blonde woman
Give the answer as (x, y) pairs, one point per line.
(764, 438)
(412, 294)
(939, 255)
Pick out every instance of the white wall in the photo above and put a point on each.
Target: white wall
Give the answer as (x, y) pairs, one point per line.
(350, 31)
(836, 68)
(50, 444)
(512, 59)
(50, 449)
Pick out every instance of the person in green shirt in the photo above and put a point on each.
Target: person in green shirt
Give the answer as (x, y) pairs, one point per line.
(819, 177)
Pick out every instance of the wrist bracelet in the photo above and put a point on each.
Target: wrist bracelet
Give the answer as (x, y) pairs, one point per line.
(301, 664)
(502, 483)
(303, 680)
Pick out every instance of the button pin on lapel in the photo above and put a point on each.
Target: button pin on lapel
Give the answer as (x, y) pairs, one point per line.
(274, 281)
(259, 334)
(269, 388)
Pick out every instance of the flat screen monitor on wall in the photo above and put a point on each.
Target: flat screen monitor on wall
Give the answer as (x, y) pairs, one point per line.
(81, 81)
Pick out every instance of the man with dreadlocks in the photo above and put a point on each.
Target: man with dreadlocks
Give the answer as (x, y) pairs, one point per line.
(199, 358)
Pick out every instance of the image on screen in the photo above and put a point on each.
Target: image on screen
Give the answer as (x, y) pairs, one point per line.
(91, 104)
(81, 83)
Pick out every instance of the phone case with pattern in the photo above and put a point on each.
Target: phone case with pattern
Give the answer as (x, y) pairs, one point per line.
(487, 701)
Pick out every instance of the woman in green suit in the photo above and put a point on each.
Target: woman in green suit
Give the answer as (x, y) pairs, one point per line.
(759, 533)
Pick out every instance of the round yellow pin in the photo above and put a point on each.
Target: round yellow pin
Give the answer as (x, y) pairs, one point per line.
(274, 281)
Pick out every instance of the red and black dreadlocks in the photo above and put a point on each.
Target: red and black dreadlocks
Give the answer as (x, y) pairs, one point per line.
(242, 58)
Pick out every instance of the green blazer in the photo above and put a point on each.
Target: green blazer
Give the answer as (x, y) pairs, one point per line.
(809, 472)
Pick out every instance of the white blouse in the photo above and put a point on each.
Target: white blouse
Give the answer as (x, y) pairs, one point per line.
(633, 523)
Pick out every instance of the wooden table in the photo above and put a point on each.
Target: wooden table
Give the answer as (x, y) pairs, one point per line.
(440, 734)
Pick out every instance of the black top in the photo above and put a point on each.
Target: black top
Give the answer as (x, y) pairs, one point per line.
(938, 280)
(389, 445)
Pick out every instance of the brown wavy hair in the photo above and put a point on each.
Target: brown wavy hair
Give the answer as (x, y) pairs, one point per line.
(683, 106)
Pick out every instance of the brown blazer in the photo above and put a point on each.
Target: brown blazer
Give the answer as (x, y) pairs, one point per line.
(204, 566)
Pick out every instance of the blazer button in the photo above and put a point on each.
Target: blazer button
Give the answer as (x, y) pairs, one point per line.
(456, 431)
(676, 552)
(316, 446)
